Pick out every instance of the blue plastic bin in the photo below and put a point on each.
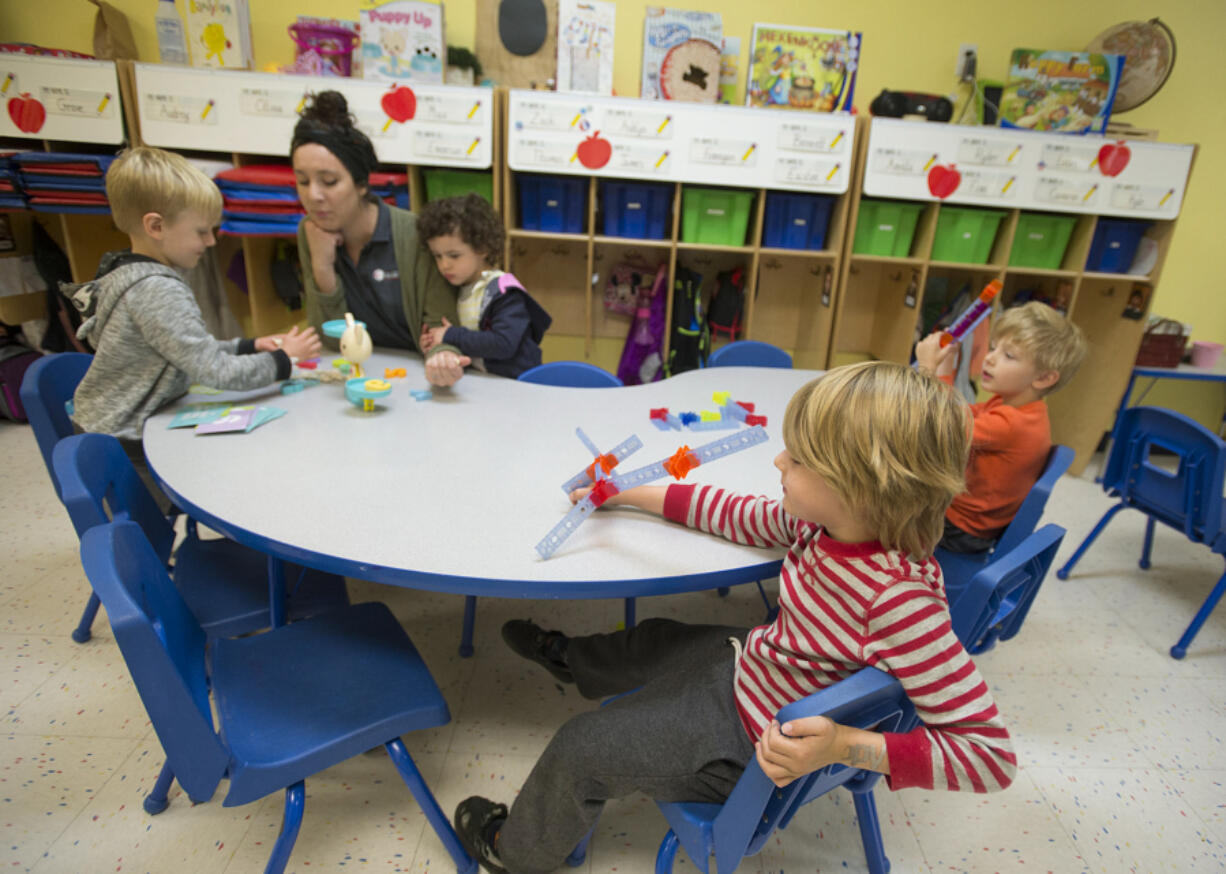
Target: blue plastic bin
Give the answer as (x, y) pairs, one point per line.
(556, 204)
(1115, 245)
(796, 221)
(635, 209)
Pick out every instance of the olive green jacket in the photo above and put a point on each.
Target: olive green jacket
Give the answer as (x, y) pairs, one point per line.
(426, 295)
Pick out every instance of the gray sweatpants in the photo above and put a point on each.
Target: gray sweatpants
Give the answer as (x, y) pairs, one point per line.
(678, 738)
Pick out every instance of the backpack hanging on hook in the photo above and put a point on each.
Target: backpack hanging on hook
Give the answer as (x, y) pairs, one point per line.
(727, 303)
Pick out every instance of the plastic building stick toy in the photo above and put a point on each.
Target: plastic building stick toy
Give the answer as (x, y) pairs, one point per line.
(678, 465)
(618, 453)
(664, 420)
(421, 394)
(394, 372)
(975, 313)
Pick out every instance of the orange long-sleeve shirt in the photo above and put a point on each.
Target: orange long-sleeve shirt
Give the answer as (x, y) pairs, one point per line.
(1009, 447)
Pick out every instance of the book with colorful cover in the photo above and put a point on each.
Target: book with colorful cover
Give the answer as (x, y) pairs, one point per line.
(681, 55)
(585, 46)
(219, 34)
(1060, 92)
(808, 68)
(402, 40)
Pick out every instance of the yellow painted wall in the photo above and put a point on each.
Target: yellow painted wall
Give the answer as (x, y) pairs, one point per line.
(909, 46)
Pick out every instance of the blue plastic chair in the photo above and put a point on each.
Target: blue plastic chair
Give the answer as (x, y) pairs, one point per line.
(572, 374)
(225, 583)
(750, 353)
(290, 703)
(995, 602)
(1188, 500)
(870, 699)
(48, 385)
(959, 567)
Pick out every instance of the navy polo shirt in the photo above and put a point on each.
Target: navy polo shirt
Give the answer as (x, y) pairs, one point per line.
(372, 287)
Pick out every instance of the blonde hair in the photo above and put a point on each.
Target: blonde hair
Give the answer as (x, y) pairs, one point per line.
(144, 180)
(891, 442)
(1052, 341)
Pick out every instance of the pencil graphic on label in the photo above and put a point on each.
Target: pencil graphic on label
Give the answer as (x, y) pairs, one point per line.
(749, 151)
(830, 175)
(574, 157)
(1008, 184)
(473, 146)
(931, 161)
(834, 142)
(301, 103)
(207, 108)
(8, 80)
(1166, 197)
(1094, 163)
(578, 115)
(473, 111)
(661, 160)
(106, 98)
(1013, 155)
(663, 125)
(1090, 193)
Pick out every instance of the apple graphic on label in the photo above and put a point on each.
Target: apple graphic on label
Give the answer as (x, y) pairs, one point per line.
(27, 113)
(1113, 158)
(594, 152)
(400, 103)
(943, 180)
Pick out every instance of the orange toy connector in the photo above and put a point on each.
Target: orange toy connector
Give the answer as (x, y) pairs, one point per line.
(393, 372)
(607, 462)
(682, 462)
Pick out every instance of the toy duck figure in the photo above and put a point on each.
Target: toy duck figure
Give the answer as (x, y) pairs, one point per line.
(355, 344)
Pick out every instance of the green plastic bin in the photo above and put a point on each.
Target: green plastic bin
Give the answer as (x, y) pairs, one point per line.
(1040, 240)
(442, 183)
(718, 216)
(965, 235)
(885, 227)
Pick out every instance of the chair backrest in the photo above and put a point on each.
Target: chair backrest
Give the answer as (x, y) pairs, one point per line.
(98, 484)
(48, 384)
(869, 699)
(995, 602)
(750, 353)
(1190, 498)
(1031, 511)
(570, 374)
(164, 647)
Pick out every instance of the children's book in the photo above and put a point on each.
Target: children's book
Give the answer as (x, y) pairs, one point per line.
(681, 55)
(219, 34)
(1061, 92)
(402, 40)
(585, 46)
(802, 68)
(241, 419)
(729, 59)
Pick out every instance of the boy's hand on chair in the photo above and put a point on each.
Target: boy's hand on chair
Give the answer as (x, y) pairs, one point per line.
(931, 357)
(300, 344)
(799, 747)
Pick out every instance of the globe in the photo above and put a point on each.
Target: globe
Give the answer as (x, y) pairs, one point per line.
(1149, 51)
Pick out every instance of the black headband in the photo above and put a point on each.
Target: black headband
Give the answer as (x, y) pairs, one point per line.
(350, 146)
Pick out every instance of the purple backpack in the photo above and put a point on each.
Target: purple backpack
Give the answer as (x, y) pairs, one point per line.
(643, 355)
(15, 358)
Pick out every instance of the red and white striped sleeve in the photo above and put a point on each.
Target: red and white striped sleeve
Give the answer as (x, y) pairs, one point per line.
(756, 521)
(962, 744)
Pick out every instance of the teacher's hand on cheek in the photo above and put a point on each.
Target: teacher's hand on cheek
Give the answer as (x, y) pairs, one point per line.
(445, 368)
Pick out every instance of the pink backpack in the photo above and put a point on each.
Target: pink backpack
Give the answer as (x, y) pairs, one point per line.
(643, 355)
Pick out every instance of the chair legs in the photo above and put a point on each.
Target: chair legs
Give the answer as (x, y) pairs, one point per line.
(156, 801)
(82, 632)
(1180, 649)
(291, 822)
(1148, 546)
(667, 853)
(1085, 544)
(579, 854)
(470, 621)
(629, 613)
(870, 832)
(465, 864)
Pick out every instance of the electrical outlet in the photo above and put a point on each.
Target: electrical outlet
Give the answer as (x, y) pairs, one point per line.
(968, 62)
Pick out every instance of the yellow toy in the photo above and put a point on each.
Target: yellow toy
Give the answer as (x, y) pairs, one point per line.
(355, 344)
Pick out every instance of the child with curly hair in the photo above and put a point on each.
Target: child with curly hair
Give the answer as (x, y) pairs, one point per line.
(501, 326)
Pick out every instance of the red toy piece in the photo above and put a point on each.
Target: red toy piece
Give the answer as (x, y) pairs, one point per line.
(681, 463)
(659, 413)
(307, 365)
(746, 405)
(602, 491)
(607, 462)
(755, 420)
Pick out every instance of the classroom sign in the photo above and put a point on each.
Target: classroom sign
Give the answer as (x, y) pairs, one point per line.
(62, 99)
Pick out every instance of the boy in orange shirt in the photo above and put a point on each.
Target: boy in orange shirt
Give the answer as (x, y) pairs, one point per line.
(1033, 351)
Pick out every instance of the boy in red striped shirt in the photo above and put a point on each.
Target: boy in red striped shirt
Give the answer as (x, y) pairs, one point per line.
(874, 454)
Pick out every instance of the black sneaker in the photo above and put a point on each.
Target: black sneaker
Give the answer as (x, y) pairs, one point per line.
(529, 640)
(474, 818)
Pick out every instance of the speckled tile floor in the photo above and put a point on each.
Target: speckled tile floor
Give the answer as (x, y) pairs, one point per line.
(1122, 749)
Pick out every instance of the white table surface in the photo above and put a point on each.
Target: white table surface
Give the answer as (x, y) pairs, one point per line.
(452, 494)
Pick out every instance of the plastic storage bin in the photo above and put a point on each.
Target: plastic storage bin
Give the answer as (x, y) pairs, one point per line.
(1115, 245)
(965, 235)
(635, 209)
(1040, 240)
(886, 227)
(442, 183)
(796, 221)
(556, 204)
(715, 215)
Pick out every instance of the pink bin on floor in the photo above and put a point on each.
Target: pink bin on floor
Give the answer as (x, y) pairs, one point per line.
(1205, 354)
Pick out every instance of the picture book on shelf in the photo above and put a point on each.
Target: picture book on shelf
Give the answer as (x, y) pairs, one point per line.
(802, 68)
(585, 46)
(681, 55)
(219, 33)
(402, 40)
(1060, 92)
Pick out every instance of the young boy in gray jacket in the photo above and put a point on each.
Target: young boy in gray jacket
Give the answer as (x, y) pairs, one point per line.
(141, 318)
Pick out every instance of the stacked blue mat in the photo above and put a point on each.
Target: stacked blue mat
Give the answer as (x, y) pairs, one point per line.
(72, 182)
(10, 194)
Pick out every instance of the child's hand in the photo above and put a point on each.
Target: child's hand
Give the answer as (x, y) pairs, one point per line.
(931, 357)
(799, 747)
(300, 344)
(431, 337)
(271, 343)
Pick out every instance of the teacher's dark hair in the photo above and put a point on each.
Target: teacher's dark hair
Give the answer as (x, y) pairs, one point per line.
(326, 121)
